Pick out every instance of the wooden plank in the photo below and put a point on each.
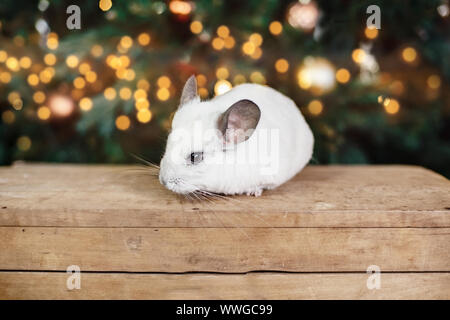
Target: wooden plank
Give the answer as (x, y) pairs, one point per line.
(42, 285)
(225, 250)
(123, 196)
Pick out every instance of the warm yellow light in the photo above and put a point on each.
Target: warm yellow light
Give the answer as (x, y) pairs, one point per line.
(33, 79)
(409, 54)
(229, 42)
(164, 82)
(13, 64)
(46, 75)
(24, 143)
(105, 5)
(201, 80)
(238, 79)
(5, 77)
(391, 106)
(223, 31)
(130, 75)
(52, 41)
(343, 75)
(91, 76)
(72, 61)
(79, 83)
(3, 55)
(43, 113)
(84, 68)
(25, 62)
(257, 54)
(140, 94)
(315, 107)
(203, 92)
(143, 39)
(13, 96)
(196, 27)
(163, 94)
(180, 7)
(110, 93)
(434, 81)
(121, 73)
(248, 48)
(125, 93)
(85, 104)
(39, 97)
(222, 86)
(144, 115)
(282, 65)
(122, 122)
(8, 117)
(275, 28)
(143, 84)
(218, 43)
(50, 59)
(124, 61)
(126, 42)
(371, 33)
(222, 73)
(358, 55)
(256, 39)
(257, 77)
(97, 50)
(142, 103)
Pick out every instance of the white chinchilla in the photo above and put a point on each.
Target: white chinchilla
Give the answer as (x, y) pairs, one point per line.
(242, 142)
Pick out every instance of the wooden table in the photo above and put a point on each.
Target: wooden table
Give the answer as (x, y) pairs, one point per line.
(313, 237)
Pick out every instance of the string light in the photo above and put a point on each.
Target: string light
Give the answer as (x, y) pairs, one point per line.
(257, 77)
(317, 75)
(218, 43)
(342, 75)
(144, 115)
(50, 59)
(33, 79)
(303, 16)
(222, 86)
(97, 50)
(315, 107)
(13, 64)
(371, 33)
(239, 79)
(140, 94)
(180, 7)
(39, 97)
(84, 68)
(110, 93)
(223, 32)
(126, 42)
(122, 122)
(391, 106)
(91, 76)
(24, 143)
(5, 77)
(125, 93)
(222, 73)
(196, 27)
(409, 54)
(43, 113)
(105, 5)
(275, 28)
(201, 80)
(203, 92)
(163, 94)
(282, 65)
(358, 55)
(144, 39)
(72, 61)
(61, 105)
(142, 103)
(79, 83)
(143, 84)
(229, 42)
(25, 62)
(85, 104)
(163, 82)
(256, 39)
(434, 81)
(8, 116)
(52, 41)
(3, 56)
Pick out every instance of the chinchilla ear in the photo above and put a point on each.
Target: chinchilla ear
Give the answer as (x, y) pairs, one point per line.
(239, 121)
(189, 90)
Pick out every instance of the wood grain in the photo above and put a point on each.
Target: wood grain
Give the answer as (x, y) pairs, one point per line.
(42, 285)
(225, 250)
(126, 196)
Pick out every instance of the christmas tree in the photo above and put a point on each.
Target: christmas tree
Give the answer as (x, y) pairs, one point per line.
(102, 85)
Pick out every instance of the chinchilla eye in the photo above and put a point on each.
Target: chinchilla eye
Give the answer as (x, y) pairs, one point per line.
(196, 157)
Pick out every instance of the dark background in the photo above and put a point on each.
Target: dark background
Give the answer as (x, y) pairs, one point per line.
(394, 108)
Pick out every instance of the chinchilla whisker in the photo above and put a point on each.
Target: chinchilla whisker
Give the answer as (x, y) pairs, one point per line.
(148, 163)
